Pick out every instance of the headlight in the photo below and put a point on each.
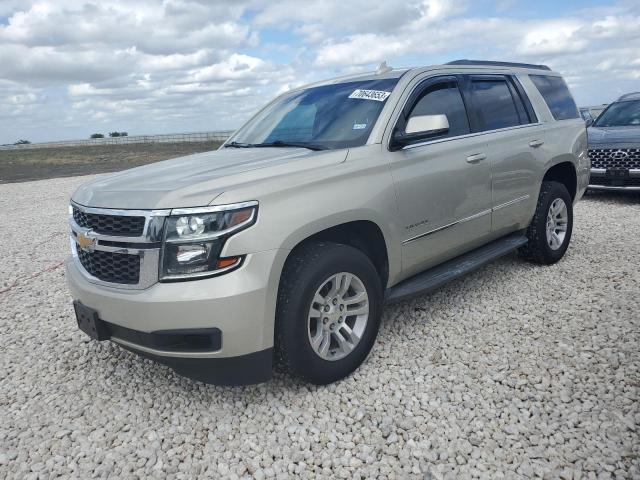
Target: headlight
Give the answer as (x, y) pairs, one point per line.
(194, 238)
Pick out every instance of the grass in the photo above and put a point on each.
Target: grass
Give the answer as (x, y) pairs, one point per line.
(23, 165)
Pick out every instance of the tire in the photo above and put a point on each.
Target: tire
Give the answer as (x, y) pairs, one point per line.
(540, 247)
(308, 269)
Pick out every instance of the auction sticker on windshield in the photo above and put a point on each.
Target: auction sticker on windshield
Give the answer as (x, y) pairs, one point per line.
(378, 95)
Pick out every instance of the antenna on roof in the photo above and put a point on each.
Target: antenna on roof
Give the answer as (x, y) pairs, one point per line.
(383, 68)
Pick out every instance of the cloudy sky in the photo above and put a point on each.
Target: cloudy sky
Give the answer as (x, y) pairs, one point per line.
(70, 68)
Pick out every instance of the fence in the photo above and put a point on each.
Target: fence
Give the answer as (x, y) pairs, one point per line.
(219, 136)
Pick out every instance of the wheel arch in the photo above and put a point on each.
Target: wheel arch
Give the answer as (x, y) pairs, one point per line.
(563, 171)
(364, 234)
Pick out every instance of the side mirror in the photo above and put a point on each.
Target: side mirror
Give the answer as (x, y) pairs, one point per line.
(589, 122)
(421, 127)
(430, 124)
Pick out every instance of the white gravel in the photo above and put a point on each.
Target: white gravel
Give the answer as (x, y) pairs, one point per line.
(515, 371)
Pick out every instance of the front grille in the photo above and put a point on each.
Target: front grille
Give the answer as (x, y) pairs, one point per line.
(113, 225)
(615, 158)
(615, 182)
(111, 267)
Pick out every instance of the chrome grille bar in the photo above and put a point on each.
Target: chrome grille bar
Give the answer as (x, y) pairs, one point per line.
(148, 258)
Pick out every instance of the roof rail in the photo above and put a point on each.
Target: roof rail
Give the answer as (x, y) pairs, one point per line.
(630, 96)
(498, 64)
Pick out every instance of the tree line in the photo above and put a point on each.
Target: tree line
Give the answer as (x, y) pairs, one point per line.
(111, 134)
(93, 135)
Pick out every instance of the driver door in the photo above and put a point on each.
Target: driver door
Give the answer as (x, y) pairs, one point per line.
(443, 182)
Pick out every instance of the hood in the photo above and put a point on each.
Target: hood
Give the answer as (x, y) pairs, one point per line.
(618, 136)
(196, 180)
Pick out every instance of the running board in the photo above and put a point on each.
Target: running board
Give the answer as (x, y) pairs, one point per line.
(439, 275)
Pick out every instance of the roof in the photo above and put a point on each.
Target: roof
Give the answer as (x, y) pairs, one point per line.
(629, 96)
(489, 63)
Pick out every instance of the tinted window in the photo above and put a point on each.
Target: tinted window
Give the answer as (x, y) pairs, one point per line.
(620, 114)
(494, 104)
(444, 99)
(556, 93)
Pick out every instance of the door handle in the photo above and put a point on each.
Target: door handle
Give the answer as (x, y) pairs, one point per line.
(476, 157)
(535, 143)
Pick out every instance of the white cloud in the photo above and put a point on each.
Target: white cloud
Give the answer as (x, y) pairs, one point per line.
(350, 16)
(234, 68)
(22, 99)
(177, 61)
(361, 50)
(47, 65)
(146, 25)
(557, 37)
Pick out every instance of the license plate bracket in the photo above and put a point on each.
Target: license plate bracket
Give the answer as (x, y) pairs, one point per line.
(618, 173)
(90, 323)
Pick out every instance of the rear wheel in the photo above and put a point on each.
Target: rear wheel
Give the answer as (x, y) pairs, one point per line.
(329, 309)
(549, 232)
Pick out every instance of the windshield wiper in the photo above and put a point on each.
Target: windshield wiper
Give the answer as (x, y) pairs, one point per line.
(282, 143)
(275, 143)
(237, 145)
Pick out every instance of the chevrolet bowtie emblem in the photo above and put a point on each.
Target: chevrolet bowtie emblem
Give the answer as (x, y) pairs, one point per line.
(85, 242)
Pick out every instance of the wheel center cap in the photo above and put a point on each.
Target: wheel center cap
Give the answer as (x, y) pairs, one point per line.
(333, 314)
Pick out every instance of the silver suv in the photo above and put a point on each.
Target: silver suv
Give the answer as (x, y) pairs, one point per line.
(335, 199)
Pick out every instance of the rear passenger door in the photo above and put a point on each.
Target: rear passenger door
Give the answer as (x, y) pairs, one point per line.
(501, 110)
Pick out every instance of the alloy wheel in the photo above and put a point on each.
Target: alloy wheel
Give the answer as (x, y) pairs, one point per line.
(557, 223)
(338, 316)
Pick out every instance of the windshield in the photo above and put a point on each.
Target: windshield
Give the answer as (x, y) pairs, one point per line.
(327, 117)
(620, 114)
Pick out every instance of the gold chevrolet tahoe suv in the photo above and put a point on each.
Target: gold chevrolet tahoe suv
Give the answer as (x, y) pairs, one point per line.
(335, 199)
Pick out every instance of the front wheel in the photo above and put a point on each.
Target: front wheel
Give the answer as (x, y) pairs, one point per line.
(549, 232)
(328, 313)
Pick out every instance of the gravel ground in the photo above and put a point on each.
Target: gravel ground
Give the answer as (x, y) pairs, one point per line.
(515, 371)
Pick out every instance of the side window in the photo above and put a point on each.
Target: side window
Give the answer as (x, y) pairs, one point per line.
(444, 98)
(494, 104)
(557, 96)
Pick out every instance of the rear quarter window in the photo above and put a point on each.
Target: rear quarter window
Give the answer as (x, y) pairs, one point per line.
(556, 94)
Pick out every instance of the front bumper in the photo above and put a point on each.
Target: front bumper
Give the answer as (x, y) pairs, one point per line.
(600, 181)
(240, 304)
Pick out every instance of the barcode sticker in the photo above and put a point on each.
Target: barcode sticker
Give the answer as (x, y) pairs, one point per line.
(377, 95)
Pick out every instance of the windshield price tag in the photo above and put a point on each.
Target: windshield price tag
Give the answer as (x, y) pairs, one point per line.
(377, 95)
